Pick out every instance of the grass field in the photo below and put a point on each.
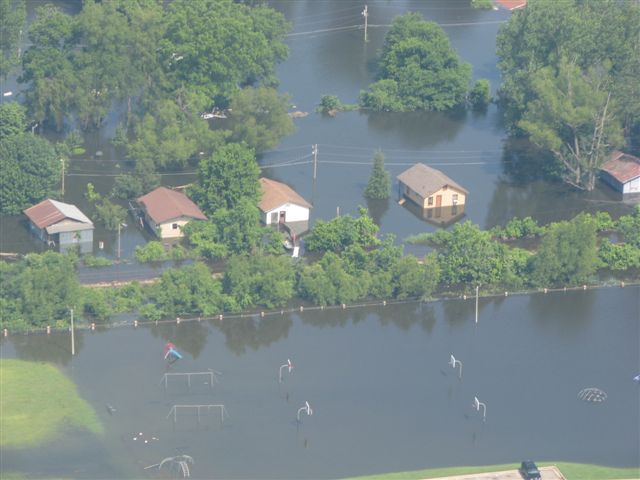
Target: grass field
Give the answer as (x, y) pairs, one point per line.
(571, 471)
(37, 403)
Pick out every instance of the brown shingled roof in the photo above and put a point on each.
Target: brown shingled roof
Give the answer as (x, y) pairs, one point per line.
(426, 180)
(164, 204)
(275, 194)
(622, 166)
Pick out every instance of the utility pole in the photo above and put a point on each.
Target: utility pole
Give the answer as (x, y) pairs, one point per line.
(119, 225)
(365, 14)
(73, 339)
(477, 288)
(314, 151)
(62, 161)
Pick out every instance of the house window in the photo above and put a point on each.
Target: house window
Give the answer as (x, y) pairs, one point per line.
(174, 226)
(430, 201)
(454, 198)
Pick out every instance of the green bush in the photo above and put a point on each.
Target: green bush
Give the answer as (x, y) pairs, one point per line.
(92, 261)
(151, 252)
(480, 94)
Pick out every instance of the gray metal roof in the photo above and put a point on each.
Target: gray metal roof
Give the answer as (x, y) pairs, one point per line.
(426, 180)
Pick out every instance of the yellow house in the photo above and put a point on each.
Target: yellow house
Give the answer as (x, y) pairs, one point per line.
(166, 211)
(441, 200)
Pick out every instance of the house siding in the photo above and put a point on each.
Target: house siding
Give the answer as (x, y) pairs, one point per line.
(446, 193)
(294, 213)
(166, 230)
(632, 186)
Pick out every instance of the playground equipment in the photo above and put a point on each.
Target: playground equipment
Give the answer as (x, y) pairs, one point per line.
(171, 353)
(287, 365)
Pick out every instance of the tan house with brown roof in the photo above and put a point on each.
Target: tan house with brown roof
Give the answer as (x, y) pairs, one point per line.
(440, 199)
(62, 224)
(281, 204)
(622, 172)
(167, 211)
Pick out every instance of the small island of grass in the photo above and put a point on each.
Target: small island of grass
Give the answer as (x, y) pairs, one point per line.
(38, 403)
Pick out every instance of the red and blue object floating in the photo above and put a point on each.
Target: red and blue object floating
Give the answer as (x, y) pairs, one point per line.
(171, 353)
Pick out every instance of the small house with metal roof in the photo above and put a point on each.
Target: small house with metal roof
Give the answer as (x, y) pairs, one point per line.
(61, 224)
(281, 204)
(167, 211)
(439, 198)
(622, 172)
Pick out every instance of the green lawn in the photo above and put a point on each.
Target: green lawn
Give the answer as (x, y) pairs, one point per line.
(38, 402)
(571, 471)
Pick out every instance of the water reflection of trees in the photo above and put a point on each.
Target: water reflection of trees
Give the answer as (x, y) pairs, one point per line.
(569, 312)
(254, 332)
(190, 338)
(417, 129)
(377, 208)
(54, 348)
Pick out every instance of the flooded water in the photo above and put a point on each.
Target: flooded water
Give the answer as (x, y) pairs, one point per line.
(504, 179)
(383, 395)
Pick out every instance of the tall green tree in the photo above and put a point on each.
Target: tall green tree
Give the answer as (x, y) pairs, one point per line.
(229, 176)
(195, 48)
(38, 291)
(339, 233)
(572, 116)
(13, 119)
(13, 14)
(420, 69)
(589, 32)
(30, 172)
(567, 254)
(259, 117)
(379, 186)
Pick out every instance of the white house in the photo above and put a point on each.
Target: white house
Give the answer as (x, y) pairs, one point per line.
(622, 172)
(166, 211)
(61, 224)
(281, 204)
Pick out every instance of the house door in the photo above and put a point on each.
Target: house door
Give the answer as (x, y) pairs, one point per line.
(274, 217)
(282, 216)
(438, 209)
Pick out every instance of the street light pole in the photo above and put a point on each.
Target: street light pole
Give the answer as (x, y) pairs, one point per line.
(73, 338)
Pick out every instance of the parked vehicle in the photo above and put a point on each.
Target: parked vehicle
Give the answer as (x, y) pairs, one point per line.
(529, 471)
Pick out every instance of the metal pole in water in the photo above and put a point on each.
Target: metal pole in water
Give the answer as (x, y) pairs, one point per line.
(73, 339)
(477, 288)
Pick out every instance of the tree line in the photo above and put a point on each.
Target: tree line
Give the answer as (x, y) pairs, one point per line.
(351, 262)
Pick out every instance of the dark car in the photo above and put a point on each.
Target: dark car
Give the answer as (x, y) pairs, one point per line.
(529, 471)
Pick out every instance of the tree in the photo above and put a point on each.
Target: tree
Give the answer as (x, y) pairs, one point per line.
(379, 186)
(337, 234)
(252, 281)
(47, 67)
(572, 116)
(38, 291)
(195, 48)
(189, 290)
(468, 255)
(30, 172)
(427, 71)
(567, 254)
(259, 117)
(110, 214)
(13, 14)
(230, 175)
(591, 33)
(13, 119)
(480, 94)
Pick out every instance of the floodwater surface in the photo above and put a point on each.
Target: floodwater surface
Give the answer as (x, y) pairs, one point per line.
(382, 393)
